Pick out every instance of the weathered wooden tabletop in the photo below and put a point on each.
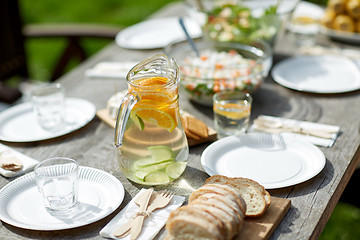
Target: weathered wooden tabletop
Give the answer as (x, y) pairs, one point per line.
(312, 201)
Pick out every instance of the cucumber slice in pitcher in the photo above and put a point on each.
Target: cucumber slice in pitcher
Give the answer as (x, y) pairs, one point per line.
(157, 177)
(147, 162)
(141, 173)
(175, 169)
(161, 153)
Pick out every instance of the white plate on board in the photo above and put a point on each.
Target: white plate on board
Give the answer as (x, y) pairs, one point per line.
(100, 193)
(275, 161)
(18, 123)
(318, 74)
(156, 33)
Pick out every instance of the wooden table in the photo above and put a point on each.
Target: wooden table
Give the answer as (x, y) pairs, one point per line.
(312, 201)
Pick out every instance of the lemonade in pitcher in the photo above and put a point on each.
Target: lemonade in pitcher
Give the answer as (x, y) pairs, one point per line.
(151, 146)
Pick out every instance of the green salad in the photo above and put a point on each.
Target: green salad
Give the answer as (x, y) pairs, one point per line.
(236, 23)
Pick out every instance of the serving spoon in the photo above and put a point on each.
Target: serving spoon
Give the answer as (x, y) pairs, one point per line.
(191, 42)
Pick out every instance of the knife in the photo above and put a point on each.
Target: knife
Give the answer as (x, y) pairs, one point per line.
(139, 219)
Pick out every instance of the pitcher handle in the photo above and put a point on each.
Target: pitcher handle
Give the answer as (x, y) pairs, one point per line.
(127, 103)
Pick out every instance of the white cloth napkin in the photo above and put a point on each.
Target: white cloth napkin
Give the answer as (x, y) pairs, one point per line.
(152, 225)
(110, 69)
(28, 163)
(305, 124)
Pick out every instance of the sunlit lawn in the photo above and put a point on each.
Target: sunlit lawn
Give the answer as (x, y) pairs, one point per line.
(43, 53)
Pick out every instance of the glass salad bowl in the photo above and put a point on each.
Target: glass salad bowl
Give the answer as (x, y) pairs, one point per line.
(241, 20)
(220, 66)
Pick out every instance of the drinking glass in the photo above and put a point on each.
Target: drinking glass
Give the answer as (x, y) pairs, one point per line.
(58, 182)
(303, 30)
(231, 112)
(49, 106)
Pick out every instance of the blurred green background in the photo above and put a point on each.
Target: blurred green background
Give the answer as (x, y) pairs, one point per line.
(43, 53)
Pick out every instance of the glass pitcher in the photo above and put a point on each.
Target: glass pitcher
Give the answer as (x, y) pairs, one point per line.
(151, 146)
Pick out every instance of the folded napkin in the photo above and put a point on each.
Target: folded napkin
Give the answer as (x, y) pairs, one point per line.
(110, 69)
(27, 162)
(324, 142)
(152, 224)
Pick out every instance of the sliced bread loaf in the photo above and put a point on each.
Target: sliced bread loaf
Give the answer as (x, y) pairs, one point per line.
(221, 189)
(255, 200)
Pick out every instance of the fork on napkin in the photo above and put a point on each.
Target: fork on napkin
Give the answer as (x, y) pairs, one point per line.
(152, 224)
(316, 133)
(27, 163)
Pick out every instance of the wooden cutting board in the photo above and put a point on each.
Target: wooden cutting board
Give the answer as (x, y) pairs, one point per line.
(104, 115)
(263, 227)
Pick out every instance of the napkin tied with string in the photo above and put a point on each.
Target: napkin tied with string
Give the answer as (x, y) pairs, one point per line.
(152, 224)
(324, 142)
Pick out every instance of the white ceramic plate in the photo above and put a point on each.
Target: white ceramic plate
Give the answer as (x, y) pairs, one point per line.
(318, 74)
(18, 123)
(156, 33)
(100, 193)
(275, 161)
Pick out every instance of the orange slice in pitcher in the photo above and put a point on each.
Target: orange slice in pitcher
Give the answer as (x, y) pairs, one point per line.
(157, 97)
(161, 115)
(152, 81)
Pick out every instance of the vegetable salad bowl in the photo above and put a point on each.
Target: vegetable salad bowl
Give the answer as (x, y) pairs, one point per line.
(220, 66)
(241, 20)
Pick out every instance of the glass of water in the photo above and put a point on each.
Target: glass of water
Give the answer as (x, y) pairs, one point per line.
(58, 182)
(231, 112)
(49, 106)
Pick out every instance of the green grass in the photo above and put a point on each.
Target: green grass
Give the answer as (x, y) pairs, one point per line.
(343, 224)
(43, 54)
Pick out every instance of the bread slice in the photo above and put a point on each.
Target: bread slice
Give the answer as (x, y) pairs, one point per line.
(224, 203)
(219, 178)
(256, 185)
(255, 201)
(191, 228)
(229, 220)
(188, 222)
(221, 189)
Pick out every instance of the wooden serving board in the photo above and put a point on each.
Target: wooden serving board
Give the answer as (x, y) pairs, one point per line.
(104, 115)
(263, 227)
